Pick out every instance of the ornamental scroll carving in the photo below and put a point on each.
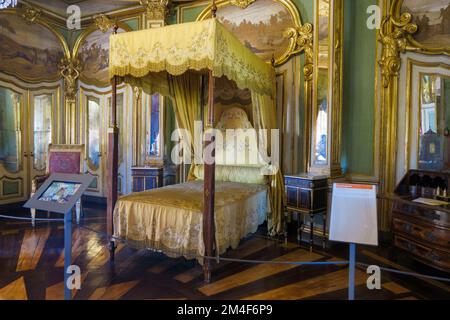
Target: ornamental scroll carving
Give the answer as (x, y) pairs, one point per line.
(103, 23)
(30, 14)
(393, 35)
(241, 3)
(302, 40)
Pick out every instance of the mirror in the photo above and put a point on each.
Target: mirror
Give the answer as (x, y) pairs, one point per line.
(434, 122)
(153, 117)
(321, 109)
(10, 129)
(42, 129)
(93, 132)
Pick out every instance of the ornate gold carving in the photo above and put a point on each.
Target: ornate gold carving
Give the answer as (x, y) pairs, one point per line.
(70, 71)
(305, 40)
(242, 3)
(393, 36)
(30, 14)
(103, 23)
(302, 41)
(156, 9)
(413, 44)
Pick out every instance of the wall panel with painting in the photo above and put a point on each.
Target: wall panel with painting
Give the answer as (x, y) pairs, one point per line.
(31, 113)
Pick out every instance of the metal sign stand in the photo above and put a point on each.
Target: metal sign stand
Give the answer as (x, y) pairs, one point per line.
(67, 252)
(351, 271)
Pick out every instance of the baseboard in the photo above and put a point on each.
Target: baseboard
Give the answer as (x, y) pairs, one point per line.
(16, 206)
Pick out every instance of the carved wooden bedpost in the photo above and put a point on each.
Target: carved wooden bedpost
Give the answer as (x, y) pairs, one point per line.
(209, 186)
(113, 152)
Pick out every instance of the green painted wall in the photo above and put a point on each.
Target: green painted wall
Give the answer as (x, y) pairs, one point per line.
(132, 23)
(306, 9)
(359, 89)
(191, 14)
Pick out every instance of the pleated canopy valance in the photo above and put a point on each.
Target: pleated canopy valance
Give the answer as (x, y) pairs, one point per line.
(145, 56)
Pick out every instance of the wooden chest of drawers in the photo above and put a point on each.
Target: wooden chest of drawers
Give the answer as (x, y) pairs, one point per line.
(146, 178)
(419, 229)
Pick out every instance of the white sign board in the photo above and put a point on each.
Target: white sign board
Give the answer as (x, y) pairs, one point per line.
(354, 214)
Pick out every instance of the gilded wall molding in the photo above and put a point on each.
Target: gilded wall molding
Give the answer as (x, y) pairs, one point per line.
(393, 35)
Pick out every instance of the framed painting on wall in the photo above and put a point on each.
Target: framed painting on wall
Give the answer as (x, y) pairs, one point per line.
(32, 52)
(432, 18)
(92, 51)
(261, 25)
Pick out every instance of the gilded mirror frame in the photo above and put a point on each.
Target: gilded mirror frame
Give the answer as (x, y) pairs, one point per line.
(410, 141)
(414, 45)
(292, 48)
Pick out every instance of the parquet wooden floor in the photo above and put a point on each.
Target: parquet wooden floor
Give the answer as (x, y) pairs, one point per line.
(31, 267)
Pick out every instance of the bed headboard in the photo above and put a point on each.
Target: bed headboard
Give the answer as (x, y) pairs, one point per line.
(236, 154)
(234, 118)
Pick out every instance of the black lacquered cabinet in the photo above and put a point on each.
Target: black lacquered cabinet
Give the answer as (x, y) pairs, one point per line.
(146, 178)
(307, 194)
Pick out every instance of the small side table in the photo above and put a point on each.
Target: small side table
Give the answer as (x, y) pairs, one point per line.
(306, 194)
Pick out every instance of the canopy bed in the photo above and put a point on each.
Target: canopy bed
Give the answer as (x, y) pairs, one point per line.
(217, 207)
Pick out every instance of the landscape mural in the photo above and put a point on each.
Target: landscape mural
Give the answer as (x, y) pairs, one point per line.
(433, 20)
(28, 51)
(94, 57)
(260, 26)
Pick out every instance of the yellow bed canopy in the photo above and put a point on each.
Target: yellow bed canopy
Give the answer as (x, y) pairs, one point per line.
(170, 60)
(175, 49)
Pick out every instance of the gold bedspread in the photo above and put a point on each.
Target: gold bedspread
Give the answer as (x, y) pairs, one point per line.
(170, 218)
